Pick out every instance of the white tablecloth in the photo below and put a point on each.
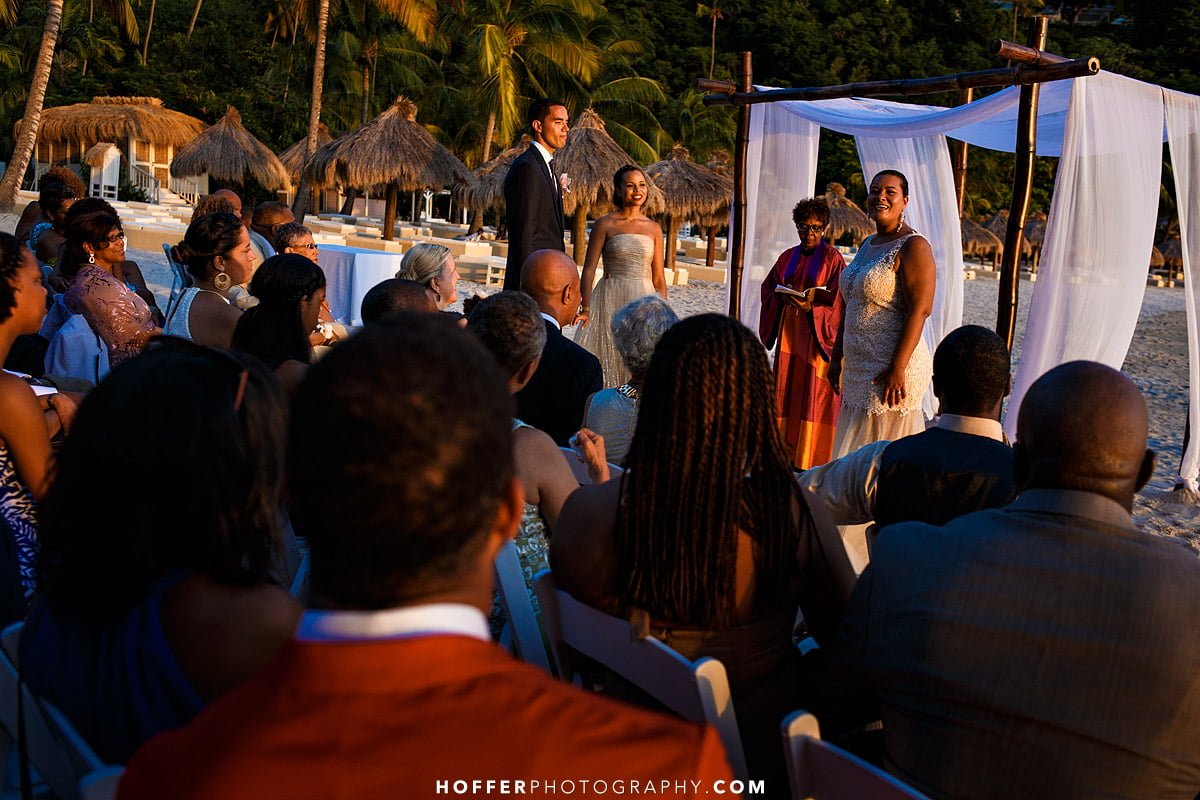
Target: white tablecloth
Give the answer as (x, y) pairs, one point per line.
(350, 272)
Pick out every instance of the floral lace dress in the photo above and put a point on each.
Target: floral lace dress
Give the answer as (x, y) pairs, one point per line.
(117, 315)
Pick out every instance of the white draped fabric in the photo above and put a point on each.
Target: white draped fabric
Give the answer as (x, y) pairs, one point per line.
(1183, 133)
(1100, 231)
(781, 169)
(925, 161)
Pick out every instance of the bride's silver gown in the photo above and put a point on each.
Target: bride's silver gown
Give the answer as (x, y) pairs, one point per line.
(626, 258)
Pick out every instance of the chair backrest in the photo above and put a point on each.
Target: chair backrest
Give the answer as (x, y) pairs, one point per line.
(180, 279)
(56, 750)
(299, 587)
(819, 770)
(695, 690)
(101, 784)
(521, 631)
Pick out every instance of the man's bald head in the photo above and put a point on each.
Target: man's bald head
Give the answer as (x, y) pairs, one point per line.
(232, 197)
(551, 278)
(1083, 426)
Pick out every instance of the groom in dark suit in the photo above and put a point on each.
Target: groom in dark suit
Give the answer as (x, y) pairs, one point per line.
(533, 193)
(554, 398)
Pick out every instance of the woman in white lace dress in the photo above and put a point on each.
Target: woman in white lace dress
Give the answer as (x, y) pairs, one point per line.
(632, 247)
(882, 365)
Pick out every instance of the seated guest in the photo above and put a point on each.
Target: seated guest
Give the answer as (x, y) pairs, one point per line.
(707, 542)
(54, 200)
(297, 238)
(221, 200)
(33, 214)
(268, 217)
(216, 252)
(126, 271)
(392, 666)
(27, 422)
(290, 290)
(568, 375)
(432, 266)
(510, 327)
(393, 296)
(155, 605)
(94, 250)
(958, 466)
(1047, 648)
(612, 413)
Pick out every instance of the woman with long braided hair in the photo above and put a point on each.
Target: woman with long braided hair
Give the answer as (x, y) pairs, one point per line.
(707, 542)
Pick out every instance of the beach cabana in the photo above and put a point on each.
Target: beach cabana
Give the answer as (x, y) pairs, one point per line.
(392, 150)
(689, 190)
(104, 165)
(845, 216)
(230, 153)
(148, 134)
(590, 158)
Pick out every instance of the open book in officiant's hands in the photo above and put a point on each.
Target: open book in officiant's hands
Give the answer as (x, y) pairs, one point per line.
(804, 295)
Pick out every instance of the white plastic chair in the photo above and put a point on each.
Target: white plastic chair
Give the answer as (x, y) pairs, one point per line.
(695, 690)
(56, 750)
(180, 279)
(821, 771)
(299, 587)
(521, 632)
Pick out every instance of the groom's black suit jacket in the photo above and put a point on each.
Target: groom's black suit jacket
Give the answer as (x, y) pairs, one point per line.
(533, 207)
(553, 399)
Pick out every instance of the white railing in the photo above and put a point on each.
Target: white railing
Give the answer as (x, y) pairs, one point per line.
(146, 182)
(187, 188)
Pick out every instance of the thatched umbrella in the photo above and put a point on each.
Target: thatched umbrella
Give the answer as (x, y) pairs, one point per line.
(488, 189)
(118, 119)
(391, 150)
(979, 241)
(293, 157)
(721, 162)
(591, 158)
(689, 190)
(998, 225)
(845, 216)
(1157, 259)
(1035, 235)
(1172, 251)
(230, 153)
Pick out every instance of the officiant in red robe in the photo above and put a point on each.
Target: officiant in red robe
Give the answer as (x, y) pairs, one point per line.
(806, 329)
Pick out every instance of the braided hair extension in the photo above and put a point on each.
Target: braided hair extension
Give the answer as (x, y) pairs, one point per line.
(706, 460)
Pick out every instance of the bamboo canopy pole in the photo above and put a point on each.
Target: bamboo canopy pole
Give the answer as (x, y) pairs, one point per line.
(960, 158)
(1026, 55)
(1026, 149)
(737, 238)
(1020, 75)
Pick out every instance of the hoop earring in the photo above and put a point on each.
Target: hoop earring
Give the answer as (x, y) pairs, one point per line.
(222, 281)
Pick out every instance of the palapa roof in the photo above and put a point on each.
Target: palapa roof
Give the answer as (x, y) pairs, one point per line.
(978, 240)
(114, 119)
(845, 216)
(689, 189)
(293, 157)
(998, 225)
(591, 158)
(1172, 252)
(230, 153)
(392, 148)
(488, 189)
(721, 162)
(1157, 259)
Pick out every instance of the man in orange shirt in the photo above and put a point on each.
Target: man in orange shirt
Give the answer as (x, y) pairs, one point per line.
(400, 471)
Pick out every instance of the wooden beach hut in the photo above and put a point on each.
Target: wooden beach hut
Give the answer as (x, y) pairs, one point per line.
(392, 150)
(229, 153)
(148, 134)
(590, 158)
(689, 191)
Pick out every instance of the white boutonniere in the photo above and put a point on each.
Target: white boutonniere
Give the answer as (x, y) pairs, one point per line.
(564, 183)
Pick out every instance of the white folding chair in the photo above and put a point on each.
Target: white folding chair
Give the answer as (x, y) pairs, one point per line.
(180, 279)
(299, 587)
(521, 632)
(695, 690)
(101, 784)
(821, 771)
(56, 750)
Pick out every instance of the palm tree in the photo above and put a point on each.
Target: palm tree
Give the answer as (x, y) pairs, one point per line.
(28, 126)
(149, 27)
(714, 13)
(415, 15)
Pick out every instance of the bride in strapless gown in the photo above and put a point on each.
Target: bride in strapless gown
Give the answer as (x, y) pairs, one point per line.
(631, 247)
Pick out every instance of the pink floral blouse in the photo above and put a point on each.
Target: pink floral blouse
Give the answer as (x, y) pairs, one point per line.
(117, 315)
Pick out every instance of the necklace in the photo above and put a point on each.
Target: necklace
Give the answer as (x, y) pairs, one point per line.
(632, 392)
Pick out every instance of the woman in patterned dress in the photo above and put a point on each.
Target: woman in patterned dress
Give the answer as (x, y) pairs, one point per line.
(27, 422)
(880, 363)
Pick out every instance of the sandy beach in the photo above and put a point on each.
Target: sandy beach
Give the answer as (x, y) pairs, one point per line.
(1157, 363)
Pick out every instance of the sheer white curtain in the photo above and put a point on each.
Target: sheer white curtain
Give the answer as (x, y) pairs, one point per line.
(781, 170)
(1183, 132)
(932, 211)
(1100, 231)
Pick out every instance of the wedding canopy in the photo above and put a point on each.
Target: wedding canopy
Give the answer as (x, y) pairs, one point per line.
(1108, 131)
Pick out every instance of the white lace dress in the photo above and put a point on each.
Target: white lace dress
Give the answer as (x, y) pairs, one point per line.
(875, 313)
(626, 258)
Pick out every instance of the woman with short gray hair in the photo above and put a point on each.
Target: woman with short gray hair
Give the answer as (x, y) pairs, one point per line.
(432, 266)
(612, 413)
